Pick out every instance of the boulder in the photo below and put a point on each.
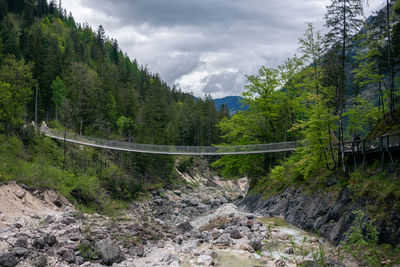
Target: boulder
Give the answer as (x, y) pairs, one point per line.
(185, 227)
(20, 252)
(169, 258)
(194, 202)
(140, 251)
(205, 260)
(69, 256)
(235, 234)
(41, 261)
(20, 193)
(21, 242)
(256, 244)
(109, 252)
(194, 233)
(50, 240)
(39, 243)
(288, 250)
(8, 259)
(177, 240)
(255, 227)
(224, 240)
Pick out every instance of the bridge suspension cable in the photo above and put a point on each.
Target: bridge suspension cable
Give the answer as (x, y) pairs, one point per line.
(170, 149)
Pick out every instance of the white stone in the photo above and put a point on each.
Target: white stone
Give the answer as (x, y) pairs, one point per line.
(204, 260)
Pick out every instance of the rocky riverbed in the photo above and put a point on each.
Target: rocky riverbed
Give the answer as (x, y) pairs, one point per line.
(193, 226)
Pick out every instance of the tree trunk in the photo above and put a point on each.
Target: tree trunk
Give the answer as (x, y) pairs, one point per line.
(390, 65)
(342, 86)
(36, 104)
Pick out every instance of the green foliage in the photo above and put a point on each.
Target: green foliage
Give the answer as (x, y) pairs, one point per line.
(16, 84)
(362, 116)
(59, 90)
(362, 241)
(185, 164)
(38, 162)
(88, 251)
(126, 126)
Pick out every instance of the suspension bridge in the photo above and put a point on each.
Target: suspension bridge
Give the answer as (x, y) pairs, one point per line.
(380, 144)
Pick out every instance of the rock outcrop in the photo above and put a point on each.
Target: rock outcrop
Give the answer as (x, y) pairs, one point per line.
(319, 212)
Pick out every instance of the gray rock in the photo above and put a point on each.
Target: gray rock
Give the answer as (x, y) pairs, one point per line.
(194, 202)
(203, 207)
(39, 243)
(160, 244)
(8, 259)
(50, 240)
(206, 236)
(212, 253)
(49, 219)
(177, 240)
(235, 234)
(159, 201)
(256, 244)
(140, 251)
(74, 237)
(67, 220)
(20, 193)
(69, 256)
(250, 223)
(255, 227)
(288, 250)
(185, 227)
(41, 261)
(224, 200)
(190, 246)
(79, 260)
(217, 202)
(169, 257)
(244, 229)
(21, 242)
(20, 252)
(205, 260)
(194, 233)
(109, 252)
(215, 234)
(224, 240)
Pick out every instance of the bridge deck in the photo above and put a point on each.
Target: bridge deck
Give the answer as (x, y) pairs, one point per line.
(178, 150)
(383, 143)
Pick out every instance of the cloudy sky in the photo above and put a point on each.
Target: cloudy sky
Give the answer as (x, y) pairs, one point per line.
(204, 46)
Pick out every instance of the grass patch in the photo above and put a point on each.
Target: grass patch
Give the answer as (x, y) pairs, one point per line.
(272, 221)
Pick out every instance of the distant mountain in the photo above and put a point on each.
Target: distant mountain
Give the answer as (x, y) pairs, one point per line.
(233, 102)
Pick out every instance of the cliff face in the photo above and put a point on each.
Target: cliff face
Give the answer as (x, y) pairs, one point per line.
(320, 212)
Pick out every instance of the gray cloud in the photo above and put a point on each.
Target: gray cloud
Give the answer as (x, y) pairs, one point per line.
(205, 46)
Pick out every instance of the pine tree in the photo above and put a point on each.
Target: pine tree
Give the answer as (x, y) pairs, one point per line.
(59, 91)
(3, 9)
(16, 84)
(343, 19)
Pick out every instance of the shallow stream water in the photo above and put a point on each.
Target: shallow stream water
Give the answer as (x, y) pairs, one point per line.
(282, 235)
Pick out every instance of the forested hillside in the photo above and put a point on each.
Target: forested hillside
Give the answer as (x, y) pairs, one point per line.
(74, 77)
(336, 87)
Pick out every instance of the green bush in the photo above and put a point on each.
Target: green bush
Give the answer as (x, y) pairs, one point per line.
(38, 162)
(185, 164)
(362, 241)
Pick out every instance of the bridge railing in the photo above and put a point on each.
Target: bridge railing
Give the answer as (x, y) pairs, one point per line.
(381, 143)
(171, 149)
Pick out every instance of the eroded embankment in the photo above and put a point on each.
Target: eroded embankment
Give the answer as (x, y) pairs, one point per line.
(321, 212)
